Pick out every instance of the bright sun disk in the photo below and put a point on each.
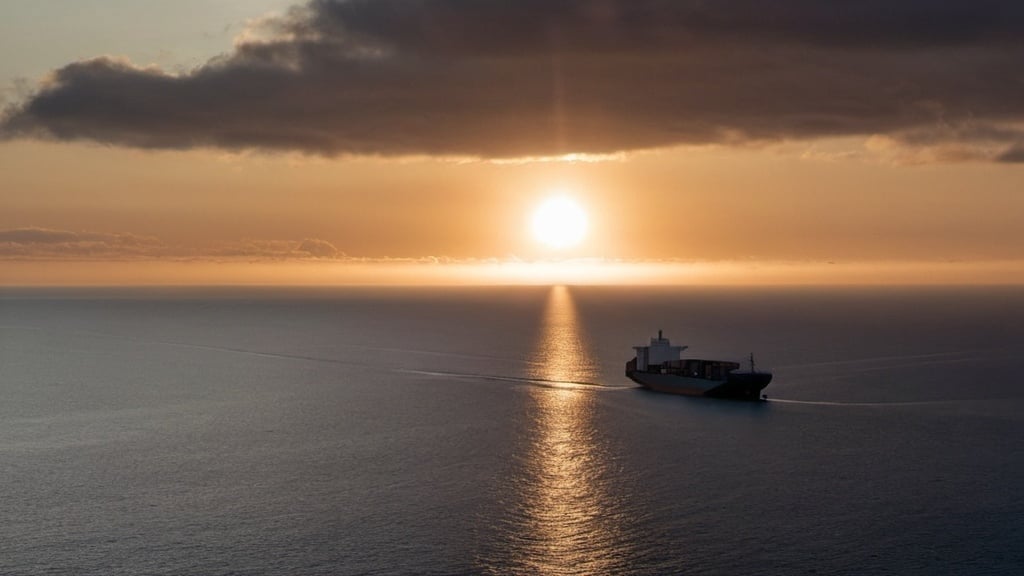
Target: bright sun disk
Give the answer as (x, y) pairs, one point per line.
(559, 222)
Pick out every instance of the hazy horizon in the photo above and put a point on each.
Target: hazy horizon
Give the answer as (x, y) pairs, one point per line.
(27, 273)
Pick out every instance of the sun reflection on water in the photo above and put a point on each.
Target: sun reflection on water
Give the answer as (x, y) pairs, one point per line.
(564, 520)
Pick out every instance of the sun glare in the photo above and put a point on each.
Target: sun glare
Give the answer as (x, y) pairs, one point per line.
(559, 223)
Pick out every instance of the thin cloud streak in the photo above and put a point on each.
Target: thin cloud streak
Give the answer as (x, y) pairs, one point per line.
(274, 250)
(532, 78)
(33, 243)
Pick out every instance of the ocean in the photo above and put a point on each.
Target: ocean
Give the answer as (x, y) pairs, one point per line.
(304, 431)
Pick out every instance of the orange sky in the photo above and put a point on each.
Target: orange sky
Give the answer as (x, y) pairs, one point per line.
(878, 206)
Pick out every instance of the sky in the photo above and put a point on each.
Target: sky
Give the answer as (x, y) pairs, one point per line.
(410, 141)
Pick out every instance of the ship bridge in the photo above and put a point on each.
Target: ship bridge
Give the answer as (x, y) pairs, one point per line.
(660, 351)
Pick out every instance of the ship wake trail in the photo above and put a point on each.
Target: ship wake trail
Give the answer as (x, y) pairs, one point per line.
(886, 362)
(866, 404)
(542, 382)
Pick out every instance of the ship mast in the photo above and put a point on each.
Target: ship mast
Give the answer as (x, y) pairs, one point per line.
(752, 363)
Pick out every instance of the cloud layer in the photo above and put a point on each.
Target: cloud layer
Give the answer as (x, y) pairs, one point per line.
(489, 78)
(46, 243)
(49, 243)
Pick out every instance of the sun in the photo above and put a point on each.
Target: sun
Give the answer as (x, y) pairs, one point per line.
(559, 222)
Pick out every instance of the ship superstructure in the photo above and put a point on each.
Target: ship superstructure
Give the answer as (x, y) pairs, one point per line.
(659, 366)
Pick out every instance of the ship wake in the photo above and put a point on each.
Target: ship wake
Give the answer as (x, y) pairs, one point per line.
(533, 381)
(875, 404)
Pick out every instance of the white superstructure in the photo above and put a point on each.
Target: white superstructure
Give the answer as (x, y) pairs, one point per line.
(660, 351)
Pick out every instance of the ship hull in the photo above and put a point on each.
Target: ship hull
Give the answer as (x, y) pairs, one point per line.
(736, 386)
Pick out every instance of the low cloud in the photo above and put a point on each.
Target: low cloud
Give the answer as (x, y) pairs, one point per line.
(276, 249)
(515, 78)
(51, 244)
(319, 248)
(1012, 155)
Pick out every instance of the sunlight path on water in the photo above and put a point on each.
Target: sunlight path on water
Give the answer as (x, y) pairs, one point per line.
(564, 519)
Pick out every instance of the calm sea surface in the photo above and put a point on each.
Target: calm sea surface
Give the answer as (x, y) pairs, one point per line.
(491, 431)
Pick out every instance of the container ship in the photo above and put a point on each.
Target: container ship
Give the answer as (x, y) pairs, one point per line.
(660, 367)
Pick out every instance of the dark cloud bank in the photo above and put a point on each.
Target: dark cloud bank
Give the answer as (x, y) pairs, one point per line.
(544, 77)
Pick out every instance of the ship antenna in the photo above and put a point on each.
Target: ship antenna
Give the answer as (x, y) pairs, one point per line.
(751, 362)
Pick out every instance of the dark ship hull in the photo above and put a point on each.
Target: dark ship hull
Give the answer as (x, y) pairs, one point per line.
(709, 378)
